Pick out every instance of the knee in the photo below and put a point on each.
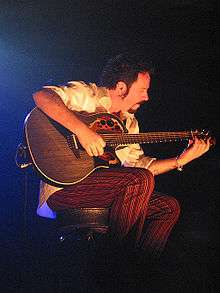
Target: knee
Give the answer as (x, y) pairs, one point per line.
(142, 177)
(174, 207)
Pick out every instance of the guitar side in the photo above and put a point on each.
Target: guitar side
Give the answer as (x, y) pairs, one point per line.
(51, 155)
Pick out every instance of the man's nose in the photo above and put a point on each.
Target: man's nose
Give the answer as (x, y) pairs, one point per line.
(145, 97)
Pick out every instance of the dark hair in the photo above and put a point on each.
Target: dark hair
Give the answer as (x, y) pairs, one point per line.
(124, 67)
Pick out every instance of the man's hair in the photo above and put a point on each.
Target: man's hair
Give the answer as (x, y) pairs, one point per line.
(124, 67)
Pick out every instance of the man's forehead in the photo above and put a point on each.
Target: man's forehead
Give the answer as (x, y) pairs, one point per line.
(143, 77)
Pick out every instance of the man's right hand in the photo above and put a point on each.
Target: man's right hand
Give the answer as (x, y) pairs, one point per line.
(92, 142)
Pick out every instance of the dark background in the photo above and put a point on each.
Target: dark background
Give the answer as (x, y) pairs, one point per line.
(43, 42)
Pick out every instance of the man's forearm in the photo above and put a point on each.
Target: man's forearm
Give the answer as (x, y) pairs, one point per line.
(51, 104)
(164, 165)
(195, 149)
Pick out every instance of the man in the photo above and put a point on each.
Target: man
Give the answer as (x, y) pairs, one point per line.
(135, 209)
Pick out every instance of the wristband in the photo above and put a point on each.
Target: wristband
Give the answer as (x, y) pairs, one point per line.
(178, 166)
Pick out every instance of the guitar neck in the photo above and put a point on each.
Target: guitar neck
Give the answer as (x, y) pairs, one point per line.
(114, 139)
(113, 131)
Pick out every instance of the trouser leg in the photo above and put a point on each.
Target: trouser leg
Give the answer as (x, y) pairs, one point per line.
(129, 208)
(162, 214)
(126, 190)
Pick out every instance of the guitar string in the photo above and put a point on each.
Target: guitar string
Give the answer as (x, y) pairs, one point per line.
(127, 137)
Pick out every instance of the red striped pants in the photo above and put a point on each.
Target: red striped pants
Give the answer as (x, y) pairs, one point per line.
(134, 207)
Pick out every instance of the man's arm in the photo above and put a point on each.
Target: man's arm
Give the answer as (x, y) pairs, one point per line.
(195, 149)
(132, 156)
(52, 105)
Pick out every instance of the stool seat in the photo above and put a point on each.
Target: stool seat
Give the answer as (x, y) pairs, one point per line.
(82, 223)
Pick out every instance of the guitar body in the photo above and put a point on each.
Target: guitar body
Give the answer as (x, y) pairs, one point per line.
(56, 153)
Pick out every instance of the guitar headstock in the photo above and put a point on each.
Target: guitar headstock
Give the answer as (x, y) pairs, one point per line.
(205, 135)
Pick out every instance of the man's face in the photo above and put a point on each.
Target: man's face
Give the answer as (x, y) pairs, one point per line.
(138, 93)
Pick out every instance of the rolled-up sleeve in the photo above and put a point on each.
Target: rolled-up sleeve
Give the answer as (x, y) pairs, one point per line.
(77, 95)
(144, 162)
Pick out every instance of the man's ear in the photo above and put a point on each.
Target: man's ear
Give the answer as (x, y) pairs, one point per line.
(121, 88)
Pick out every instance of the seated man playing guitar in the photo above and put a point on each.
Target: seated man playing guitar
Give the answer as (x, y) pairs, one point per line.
(129, 188)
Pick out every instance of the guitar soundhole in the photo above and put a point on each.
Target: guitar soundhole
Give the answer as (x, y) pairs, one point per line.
(104, 124)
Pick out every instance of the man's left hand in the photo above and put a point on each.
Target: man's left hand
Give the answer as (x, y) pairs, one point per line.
(195, 149)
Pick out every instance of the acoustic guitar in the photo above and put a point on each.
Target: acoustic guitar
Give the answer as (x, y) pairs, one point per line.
(59, 158)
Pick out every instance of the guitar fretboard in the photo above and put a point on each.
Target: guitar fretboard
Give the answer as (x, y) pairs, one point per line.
(114, 139)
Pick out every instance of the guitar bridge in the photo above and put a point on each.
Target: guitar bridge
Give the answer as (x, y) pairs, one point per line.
(72, 143)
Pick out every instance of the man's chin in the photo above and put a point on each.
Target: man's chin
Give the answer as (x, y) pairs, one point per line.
(133, 110)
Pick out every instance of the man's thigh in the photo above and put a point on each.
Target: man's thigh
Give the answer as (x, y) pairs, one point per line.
(99, 189)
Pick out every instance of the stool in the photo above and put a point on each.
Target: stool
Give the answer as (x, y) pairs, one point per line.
(82, 235)
(82, 223)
